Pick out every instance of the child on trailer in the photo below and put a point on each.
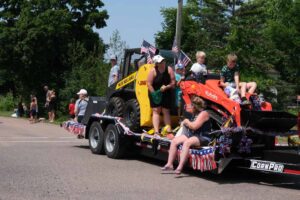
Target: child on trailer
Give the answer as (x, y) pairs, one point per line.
(195, 134)
(230, 76)
(199, 67)
(179, 75)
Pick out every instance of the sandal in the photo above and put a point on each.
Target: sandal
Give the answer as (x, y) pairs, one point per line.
(177, 171)
(166, 168)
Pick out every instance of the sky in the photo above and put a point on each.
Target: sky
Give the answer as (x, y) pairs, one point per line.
(134, 19)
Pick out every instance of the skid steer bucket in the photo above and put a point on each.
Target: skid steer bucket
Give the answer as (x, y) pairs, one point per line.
(268, 121)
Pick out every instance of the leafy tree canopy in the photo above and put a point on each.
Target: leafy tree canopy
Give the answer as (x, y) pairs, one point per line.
(41, 41)
(264, 35)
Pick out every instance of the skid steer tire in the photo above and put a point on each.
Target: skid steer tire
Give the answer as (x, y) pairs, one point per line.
(115, 107)
(132, 115)
(114, 143)
(96, 138)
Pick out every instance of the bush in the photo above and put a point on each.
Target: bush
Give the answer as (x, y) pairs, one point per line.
(7, 102)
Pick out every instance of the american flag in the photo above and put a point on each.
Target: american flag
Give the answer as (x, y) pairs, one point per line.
(183, 58)
(147, 46)
(175, 47)
(149, 57)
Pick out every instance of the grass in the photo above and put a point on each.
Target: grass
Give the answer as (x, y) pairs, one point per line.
(294, 111)
(5, 113)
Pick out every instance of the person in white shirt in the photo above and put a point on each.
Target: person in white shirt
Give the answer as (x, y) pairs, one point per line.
(199, 67)
(114, 71)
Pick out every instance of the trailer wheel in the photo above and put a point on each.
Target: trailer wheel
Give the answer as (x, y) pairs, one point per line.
(132, 115)
(114, 144)
(96, 138)
(115, 107)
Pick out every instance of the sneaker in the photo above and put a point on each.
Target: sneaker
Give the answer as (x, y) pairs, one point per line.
(246, 102)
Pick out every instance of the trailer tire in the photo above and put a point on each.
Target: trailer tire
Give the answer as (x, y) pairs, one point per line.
(115, 107)
(114, 143)
(96, 138)
(132, 115)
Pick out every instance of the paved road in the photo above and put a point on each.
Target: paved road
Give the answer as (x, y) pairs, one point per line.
(42, 161)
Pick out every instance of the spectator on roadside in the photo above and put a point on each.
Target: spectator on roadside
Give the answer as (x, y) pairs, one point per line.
(37, 106)
(72, 108)
(114, 71)
(48, 94)
(32, 96)
(52, 106)
(25, 109)
(80, 105)
(20, 111)
(33, 107)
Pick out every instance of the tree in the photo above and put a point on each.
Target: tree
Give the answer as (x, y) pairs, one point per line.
(38, 40)
(264, 35)
(205, 26)
(116, 45)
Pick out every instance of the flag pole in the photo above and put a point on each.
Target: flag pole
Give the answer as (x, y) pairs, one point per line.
(178, 24)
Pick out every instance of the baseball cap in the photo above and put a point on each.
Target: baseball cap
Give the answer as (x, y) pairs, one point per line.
(113, 57)
(179, 66)
(158, 59)
(82, 91)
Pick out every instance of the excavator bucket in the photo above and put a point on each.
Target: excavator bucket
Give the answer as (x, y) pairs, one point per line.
(268, 121)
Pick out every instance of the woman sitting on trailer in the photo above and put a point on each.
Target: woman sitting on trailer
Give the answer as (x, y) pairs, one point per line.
(195, 134)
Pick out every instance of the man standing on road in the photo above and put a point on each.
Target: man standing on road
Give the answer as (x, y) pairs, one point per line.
(114, 71)
(48, 94)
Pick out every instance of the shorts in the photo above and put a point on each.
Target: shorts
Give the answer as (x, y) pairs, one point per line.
(203, 140)
(33, 113)
(71, 116)
(79, 118)
(52, 106)
(165, 101)
(232, 84)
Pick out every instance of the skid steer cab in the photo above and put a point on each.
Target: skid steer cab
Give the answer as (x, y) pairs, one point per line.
(128, 98)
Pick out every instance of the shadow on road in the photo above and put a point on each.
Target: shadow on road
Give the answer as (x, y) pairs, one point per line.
(82, 146)
(231, 175)
(234, 175)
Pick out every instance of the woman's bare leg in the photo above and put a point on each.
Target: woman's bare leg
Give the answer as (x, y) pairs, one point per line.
(167, 117)
(192, 141)
(53, 116)
(173, 149)
(155, 118)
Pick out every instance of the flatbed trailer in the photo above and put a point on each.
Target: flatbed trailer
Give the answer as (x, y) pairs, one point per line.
(109, 135)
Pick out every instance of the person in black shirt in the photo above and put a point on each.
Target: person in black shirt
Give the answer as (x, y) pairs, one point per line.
(161, 80)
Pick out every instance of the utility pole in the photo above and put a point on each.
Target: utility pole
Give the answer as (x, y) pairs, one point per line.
(178, 24)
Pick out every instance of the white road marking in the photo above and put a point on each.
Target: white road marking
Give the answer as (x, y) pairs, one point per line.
(33, 137)
(37, 141)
